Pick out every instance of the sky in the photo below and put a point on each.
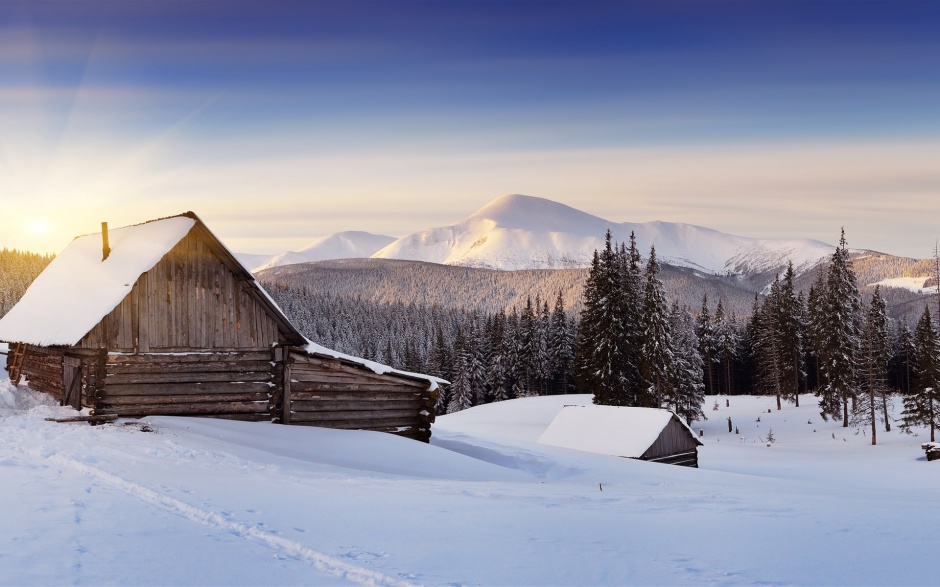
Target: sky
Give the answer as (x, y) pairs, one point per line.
(280, 122)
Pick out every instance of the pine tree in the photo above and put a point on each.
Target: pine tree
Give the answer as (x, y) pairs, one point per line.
(657, 351)
(840, 336)
(560, 353)
(873, 403)
(461, 393)
(922, 405)
(707, 342)
(686, 390)
(727, 343)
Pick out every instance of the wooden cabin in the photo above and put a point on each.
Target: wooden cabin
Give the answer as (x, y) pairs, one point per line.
(646, 434)
(160, 318)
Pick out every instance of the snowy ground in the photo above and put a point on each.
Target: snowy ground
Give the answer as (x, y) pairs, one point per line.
(201, 501)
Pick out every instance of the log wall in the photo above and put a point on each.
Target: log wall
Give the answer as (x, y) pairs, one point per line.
(333, 394)
(42, 367)
(231, 384)
(189, 300)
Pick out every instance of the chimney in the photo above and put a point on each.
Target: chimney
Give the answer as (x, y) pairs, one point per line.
(105, 249)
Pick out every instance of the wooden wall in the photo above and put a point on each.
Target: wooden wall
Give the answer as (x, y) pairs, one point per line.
(189, 300)
(42, 367)
(675, 439)
(333, 394)
(236, 384)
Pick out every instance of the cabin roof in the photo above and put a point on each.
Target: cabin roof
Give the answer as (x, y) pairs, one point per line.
(314, 349)
(609, 430)
(78, 289)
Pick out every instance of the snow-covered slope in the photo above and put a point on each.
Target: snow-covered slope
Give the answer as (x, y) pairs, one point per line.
(352, 244)
(198, 501)
(524, 232)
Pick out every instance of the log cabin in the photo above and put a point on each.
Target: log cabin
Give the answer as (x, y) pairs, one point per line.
(647, 434)
(160, 318)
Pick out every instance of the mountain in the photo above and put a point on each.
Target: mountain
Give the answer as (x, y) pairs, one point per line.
(523, 232)
(352, 244)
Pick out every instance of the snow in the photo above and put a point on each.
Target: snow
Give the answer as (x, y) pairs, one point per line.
(914, 284)
(607, 430)
(78, 289)
(214, 502)
(378, 368)
(352, 244)
(524, 232)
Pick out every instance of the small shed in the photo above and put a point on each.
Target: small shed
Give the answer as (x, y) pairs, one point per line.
(161, 318)
(646, 434)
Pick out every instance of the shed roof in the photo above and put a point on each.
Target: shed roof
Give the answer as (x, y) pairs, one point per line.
(78, 289)
(609, 430)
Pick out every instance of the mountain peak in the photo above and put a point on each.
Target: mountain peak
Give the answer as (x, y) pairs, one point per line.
(518, 211)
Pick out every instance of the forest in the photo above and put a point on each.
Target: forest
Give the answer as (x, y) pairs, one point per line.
(630, 345)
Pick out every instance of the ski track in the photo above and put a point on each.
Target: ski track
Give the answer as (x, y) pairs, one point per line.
(319, 560)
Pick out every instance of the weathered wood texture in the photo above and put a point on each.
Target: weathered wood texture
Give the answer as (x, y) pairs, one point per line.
(222, 384)
(675, 443)
(42, 367)
(189, 300)
(334, 394)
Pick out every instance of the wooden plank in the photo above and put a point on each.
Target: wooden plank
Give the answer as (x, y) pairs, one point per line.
(287, 391)
(125, 400)
(192, 367)
(119, 378)
(349, 424)
(191, 357)
(363, 405)
(409, 416)
(186, 388)
(193, 409)
(365, 372)
(355, 396)
(332, 386)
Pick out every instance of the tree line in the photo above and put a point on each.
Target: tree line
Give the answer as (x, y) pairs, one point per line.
(18, 269)
(631, 346)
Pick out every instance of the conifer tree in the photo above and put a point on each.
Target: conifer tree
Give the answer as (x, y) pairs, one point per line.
(686, 390)
(922, 405)
(707, 342)
(727, 343)
(657, 351)
(561, 357)
(840, 336)
(873, 403)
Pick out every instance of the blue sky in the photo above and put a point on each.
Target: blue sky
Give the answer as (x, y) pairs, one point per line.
(279, 122)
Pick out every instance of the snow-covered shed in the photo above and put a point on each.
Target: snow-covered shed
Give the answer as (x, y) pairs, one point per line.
(161, 318)
(647, 434)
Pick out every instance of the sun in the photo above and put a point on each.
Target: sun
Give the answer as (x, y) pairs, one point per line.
(39, 227)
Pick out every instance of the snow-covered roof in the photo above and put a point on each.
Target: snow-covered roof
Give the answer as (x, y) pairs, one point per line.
(77, 290)
(313, 348)
(609, 430)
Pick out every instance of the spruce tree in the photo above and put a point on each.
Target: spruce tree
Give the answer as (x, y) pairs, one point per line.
(707, 342)
(686, 390)
(840, 336)
(657, 351)
(873, 402)
(922, 405)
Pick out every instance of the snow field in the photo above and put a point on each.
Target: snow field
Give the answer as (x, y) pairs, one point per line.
(211, 502)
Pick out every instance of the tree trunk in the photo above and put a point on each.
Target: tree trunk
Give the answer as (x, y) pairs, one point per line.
(884, 409)
(873, 412)
(845, 411)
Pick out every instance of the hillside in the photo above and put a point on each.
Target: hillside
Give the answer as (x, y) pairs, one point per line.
(465, 288)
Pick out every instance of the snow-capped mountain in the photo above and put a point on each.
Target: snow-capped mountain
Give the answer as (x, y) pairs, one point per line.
(524, 232)
(352, 244)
